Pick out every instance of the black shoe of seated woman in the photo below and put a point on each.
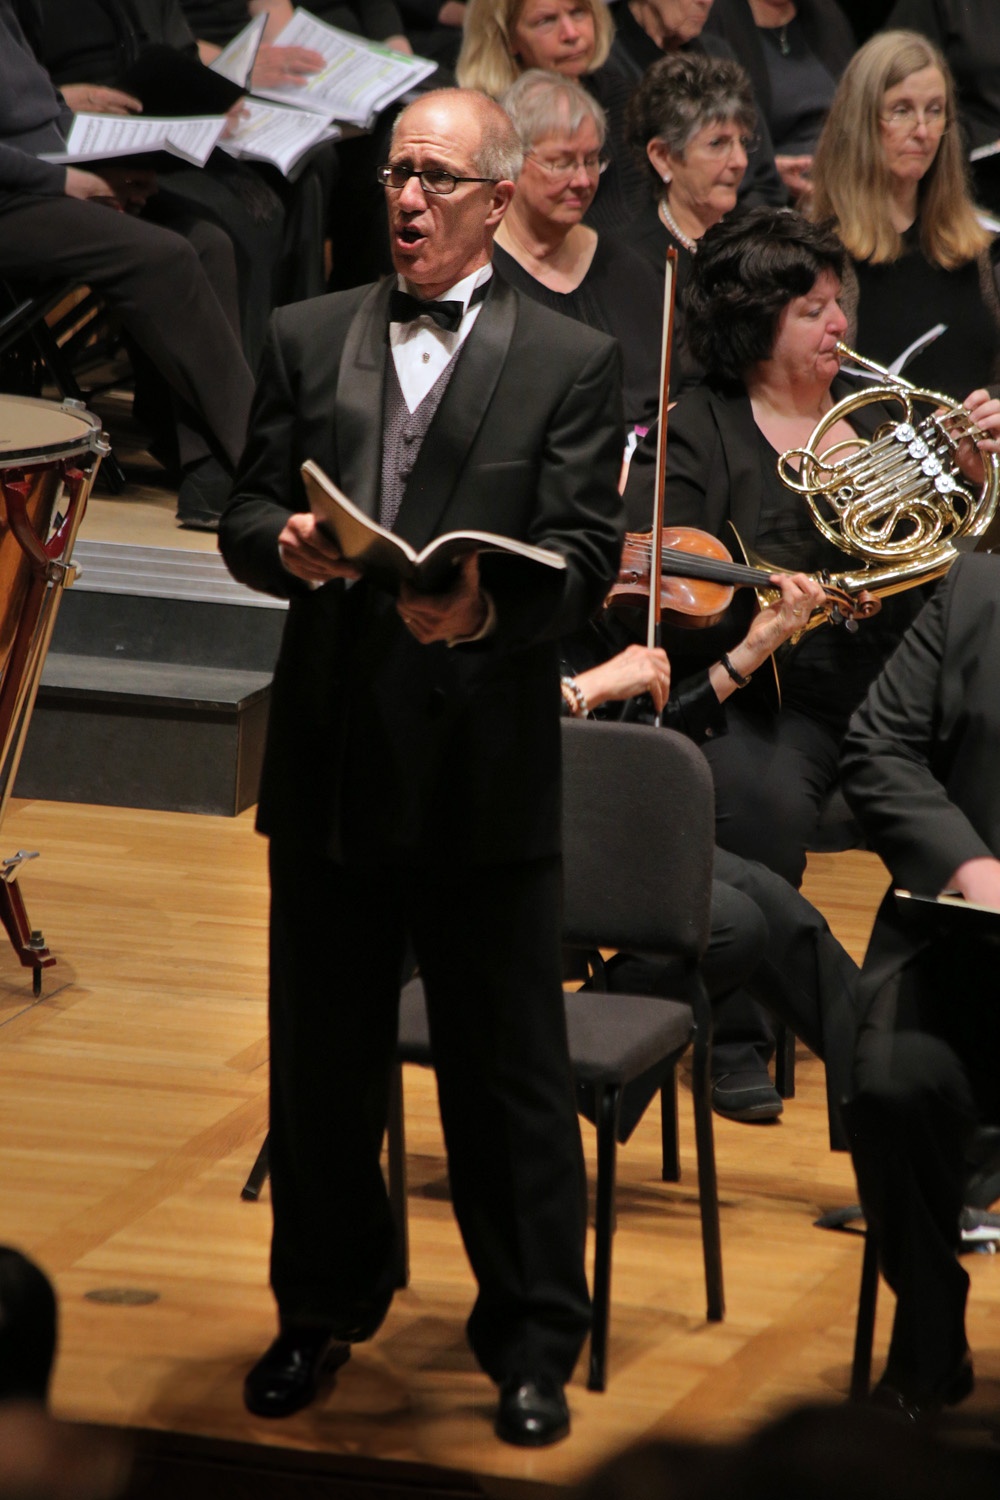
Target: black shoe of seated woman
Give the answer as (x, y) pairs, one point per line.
(288, 1376)
(747, 1096)
(201, 499)
(899, 1399)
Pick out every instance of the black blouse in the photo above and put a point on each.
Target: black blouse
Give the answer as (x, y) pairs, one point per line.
(620, 295)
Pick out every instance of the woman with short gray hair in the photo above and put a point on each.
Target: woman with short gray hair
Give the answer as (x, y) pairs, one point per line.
(692, 122)
(543, 248)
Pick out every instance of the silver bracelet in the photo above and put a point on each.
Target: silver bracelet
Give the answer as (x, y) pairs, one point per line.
(575, 697)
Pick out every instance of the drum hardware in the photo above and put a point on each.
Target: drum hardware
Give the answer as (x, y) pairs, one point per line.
(49, 457)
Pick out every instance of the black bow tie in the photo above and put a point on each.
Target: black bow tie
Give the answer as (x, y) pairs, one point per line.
(448, 315)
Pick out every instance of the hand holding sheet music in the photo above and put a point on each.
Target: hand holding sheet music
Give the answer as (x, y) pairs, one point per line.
(388, 559)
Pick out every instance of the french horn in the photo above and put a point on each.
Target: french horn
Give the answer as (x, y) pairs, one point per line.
(898, 503)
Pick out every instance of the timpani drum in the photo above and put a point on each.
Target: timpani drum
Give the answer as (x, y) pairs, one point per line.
(49, 457)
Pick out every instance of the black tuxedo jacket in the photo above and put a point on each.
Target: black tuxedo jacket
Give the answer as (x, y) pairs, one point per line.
(379, 747)
(922, 753)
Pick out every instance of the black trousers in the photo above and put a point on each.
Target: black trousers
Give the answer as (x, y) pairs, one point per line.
(487, 943)
(770, 947)
(925, 1075)
(772, 774)
(178, 304)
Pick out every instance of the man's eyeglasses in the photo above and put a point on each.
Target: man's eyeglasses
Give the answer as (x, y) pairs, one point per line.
(434, 180)
(904, 117)
(565, 166)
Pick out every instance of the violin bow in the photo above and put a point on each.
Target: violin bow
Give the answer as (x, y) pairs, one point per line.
(654, 620)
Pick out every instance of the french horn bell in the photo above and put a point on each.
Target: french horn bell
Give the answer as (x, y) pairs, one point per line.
(898, 504)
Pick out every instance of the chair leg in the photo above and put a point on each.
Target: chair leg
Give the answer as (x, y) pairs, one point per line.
(671, 1171)
(708, 1190)
(112, 473)
(608, 1109)
(258, 1175)
(864, 1332)
(784, 1060)
(396, 1154)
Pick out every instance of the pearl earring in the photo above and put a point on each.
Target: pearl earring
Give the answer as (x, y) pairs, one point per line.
(666, 176)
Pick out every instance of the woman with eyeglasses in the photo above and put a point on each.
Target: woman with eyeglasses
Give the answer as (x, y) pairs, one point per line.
(543, 248)
(691, 124)
(890, 174)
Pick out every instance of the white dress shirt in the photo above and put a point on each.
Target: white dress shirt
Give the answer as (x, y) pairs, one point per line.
(421, 350)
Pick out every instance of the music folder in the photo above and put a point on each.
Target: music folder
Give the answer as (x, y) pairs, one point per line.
(950, 915)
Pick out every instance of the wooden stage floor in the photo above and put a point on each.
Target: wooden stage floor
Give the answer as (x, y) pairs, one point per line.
(132, 1104)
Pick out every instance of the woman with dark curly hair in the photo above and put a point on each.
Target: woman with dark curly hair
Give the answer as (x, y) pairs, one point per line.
(764, 319)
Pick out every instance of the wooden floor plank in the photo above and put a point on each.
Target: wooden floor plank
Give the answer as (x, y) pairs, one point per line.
(132, 1104)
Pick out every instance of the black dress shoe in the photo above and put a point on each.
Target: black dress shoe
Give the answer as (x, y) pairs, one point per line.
(915, 1406)
(288, 1376)
(532, 1412)
(749, 1095)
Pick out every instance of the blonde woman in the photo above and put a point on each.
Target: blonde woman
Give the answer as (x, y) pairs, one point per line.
(890, 174)
(503, 38)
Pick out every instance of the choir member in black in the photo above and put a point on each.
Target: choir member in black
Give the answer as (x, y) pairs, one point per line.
(794, 51)
(544, 249)
(890, 174)
(764, 319)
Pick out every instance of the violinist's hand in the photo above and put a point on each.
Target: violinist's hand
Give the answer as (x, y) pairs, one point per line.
(978, 880)
(984, 410)
(637, 669)
(800, 596)
(308, 552)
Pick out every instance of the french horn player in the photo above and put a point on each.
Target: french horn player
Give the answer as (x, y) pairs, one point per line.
(763, 317)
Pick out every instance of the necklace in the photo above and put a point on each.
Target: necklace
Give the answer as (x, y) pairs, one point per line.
(675, 228)
(784, 46)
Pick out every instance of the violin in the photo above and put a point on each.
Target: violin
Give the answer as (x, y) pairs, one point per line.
(698, 579)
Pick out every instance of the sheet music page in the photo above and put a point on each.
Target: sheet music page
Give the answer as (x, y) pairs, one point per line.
(359, 78)
(236, 61)
(104, 137)
(274, 133)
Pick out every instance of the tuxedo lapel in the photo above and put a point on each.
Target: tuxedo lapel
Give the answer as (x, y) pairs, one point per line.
(459, 417)
(360, 382)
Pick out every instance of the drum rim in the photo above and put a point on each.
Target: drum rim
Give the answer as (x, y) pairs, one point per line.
(87, 442)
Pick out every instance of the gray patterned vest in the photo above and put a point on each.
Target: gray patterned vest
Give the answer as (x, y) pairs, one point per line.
(403, 432)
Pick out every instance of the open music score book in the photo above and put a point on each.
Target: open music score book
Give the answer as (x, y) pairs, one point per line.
(263, 132)
(388, 559)
(950, 914)
(107, 137)
(276, 133)
(359, 80)
(236, 60)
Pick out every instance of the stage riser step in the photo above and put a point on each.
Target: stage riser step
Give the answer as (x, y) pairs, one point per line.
(137, 627)
(146, 734)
